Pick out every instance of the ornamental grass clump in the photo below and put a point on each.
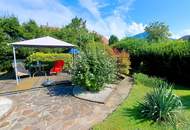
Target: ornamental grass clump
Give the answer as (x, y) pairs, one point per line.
(94, 67)
(161, 105)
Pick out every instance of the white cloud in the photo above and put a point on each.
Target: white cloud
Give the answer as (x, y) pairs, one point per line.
(124, 7)
(117, 26)
(91, 6)
(175, 36)
(43, 11)
(56, 13)
(180, 34)
(136, 28)
(114, 23)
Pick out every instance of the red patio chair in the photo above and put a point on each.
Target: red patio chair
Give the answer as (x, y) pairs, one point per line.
(57, 67)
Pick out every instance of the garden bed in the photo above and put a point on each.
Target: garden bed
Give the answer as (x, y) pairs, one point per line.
(99, 97)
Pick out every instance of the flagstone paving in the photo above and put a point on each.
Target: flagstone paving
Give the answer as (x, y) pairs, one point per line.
(54, 108)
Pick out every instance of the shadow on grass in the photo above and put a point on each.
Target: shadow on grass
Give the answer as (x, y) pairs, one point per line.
(185, 101)
(135, 113)
(183, 122)
(182, 87)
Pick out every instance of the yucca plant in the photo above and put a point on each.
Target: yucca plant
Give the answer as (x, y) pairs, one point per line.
(161, 105)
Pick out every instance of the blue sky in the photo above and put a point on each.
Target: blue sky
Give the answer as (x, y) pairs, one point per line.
(119, 17)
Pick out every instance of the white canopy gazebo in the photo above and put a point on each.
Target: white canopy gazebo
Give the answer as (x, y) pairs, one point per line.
(46, 42)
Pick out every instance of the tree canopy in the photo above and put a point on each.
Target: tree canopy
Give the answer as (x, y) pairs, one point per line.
(113, 39)
(157, 31)
(77, 33)
(31, 30)
(11, 31)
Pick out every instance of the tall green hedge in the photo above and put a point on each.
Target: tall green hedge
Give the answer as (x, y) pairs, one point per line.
(49, 58)
(170, 59)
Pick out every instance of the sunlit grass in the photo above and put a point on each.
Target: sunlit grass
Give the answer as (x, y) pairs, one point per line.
(126, 117)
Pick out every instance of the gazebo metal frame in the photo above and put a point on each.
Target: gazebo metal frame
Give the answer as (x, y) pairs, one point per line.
(44, 42)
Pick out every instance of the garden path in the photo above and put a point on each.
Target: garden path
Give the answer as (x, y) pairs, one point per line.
(54, 108)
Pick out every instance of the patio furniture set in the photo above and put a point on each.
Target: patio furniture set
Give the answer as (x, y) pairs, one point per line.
(39, 69)
(43, 42)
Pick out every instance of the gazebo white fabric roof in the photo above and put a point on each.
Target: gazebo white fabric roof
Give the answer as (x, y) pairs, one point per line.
(48, 42)
(43, 42)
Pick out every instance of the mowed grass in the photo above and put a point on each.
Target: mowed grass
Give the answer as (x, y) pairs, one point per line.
(126, 117)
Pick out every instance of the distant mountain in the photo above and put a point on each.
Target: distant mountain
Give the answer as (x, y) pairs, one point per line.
(140, 35)
(186, 37)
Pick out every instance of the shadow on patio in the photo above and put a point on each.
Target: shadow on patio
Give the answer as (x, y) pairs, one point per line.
(60, 90)
(62, 85)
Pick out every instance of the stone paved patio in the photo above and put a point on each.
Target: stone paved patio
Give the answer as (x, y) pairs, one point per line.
(9, 85)
(54, 108)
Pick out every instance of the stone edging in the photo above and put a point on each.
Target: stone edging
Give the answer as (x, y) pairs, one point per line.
(4, 115)
(99, 97)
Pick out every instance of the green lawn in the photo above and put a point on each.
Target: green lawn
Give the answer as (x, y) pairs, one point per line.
(126, 118)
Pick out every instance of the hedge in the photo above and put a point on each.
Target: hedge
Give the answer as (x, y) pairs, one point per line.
(49, 58)
(170, 60)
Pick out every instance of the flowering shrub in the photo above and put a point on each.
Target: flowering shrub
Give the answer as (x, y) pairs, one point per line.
(94, 67)
(123, 62)
(123, 59)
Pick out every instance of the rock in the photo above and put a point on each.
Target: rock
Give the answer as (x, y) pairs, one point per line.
(6, 106)
(27, 112)
(28, 128)
(4, 124)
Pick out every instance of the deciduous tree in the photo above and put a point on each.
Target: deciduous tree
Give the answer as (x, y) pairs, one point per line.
(113, 39)
(157, 31)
